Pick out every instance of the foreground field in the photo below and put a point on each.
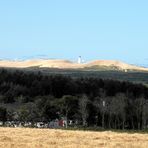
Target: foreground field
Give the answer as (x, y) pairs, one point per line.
(50, 138)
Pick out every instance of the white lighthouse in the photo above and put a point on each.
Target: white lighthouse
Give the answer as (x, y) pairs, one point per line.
(79, 60)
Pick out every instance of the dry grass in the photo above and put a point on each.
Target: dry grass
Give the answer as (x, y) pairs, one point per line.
(50, 138)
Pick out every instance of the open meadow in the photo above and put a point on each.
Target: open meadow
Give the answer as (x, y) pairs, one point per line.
(51, 138)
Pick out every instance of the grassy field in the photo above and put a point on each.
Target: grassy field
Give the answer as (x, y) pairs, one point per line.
(50, 138)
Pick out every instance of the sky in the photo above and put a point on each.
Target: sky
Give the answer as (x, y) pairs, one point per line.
(65, 29)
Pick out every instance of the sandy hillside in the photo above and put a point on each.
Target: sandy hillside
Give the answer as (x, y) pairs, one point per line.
(50, 138)
(118, 64)
(40, 63)
(63, 64)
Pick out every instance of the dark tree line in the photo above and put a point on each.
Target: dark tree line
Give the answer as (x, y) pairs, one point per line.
(89, 101)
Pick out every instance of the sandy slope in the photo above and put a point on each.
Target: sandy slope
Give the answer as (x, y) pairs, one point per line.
(40, 63)
(68, 64)
(50, 138)
(118, 64)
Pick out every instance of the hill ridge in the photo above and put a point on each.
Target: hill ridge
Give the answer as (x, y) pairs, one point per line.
(67, 64)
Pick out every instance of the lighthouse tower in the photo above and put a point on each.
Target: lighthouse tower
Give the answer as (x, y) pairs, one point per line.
(79, 60)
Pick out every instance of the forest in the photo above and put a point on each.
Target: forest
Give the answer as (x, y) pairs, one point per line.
(91, 101)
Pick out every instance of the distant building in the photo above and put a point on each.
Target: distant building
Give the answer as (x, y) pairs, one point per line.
(79, 60)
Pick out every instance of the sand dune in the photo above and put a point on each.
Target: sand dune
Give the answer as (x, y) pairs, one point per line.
(65, 64)
(120, 65)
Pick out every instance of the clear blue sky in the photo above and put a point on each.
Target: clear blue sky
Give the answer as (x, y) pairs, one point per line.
(94, 29)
